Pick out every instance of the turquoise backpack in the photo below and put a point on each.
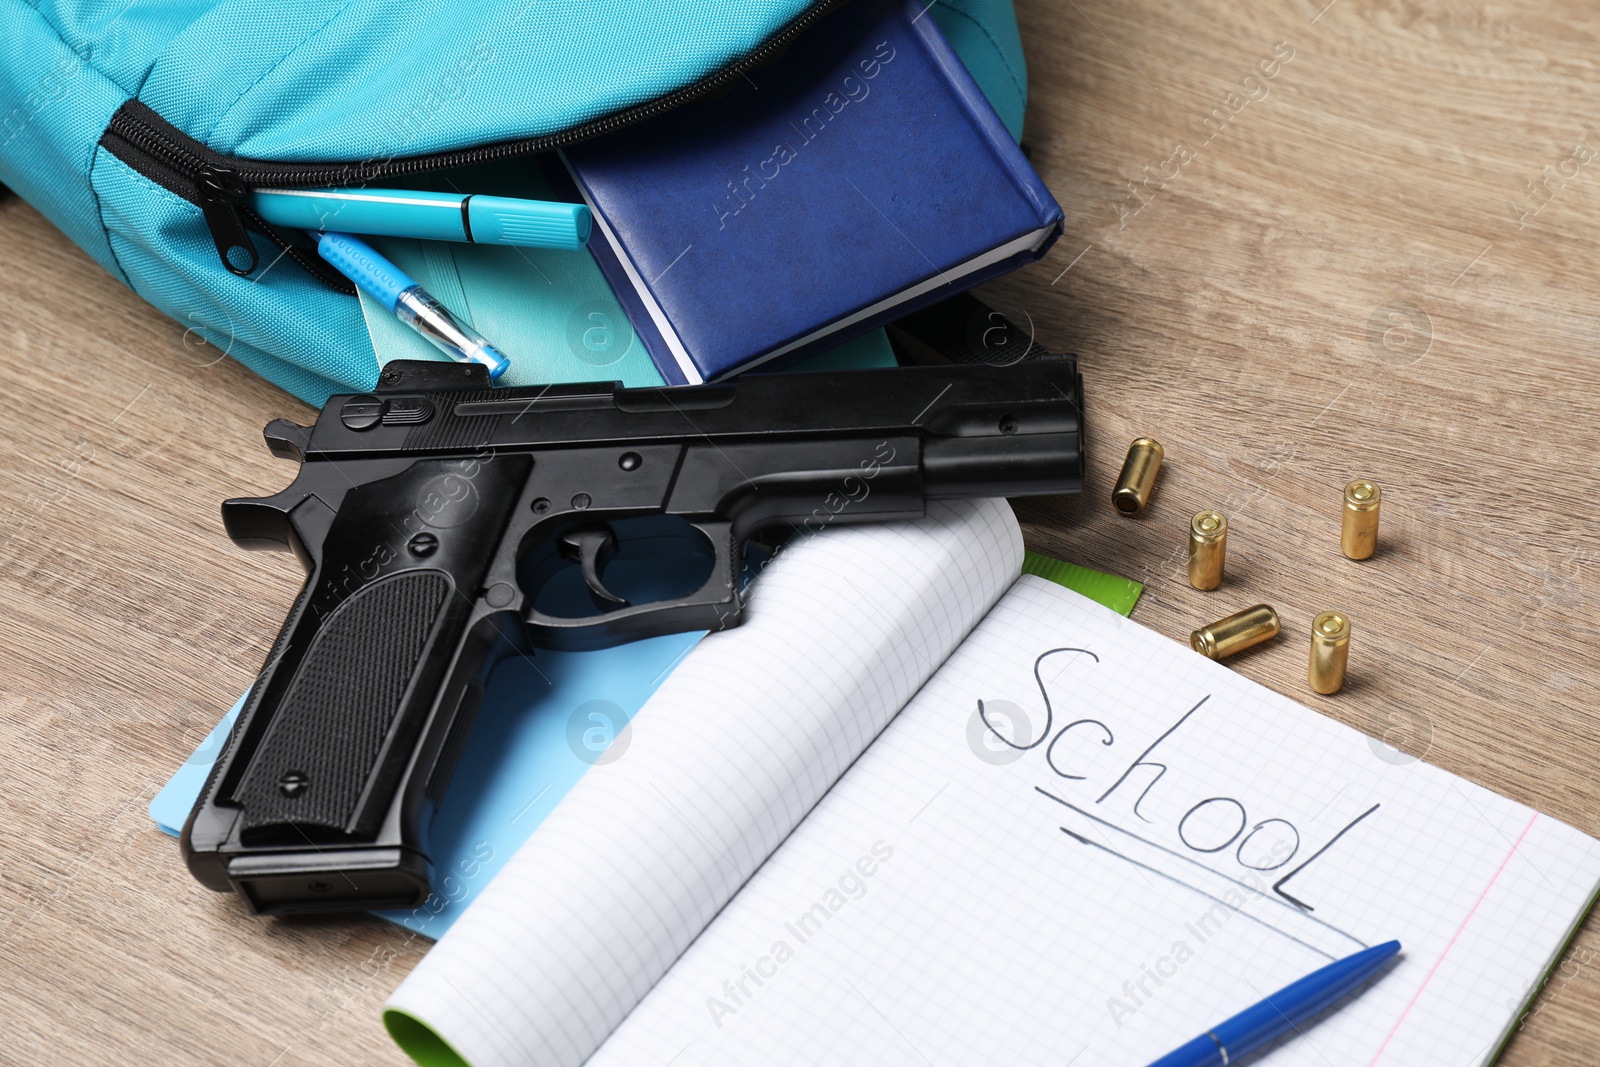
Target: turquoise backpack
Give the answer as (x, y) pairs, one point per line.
(138, 126)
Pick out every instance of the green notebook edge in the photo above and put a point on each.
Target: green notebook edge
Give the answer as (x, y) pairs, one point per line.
(1118, 594)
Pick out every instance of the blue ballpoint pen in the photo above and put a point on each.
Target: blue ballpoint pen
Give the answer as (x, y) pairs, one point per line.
(408, 301)
(1286, 1009)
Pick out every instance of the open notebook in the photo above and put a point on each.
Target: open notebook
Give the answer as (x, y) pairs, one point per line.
(985, 820)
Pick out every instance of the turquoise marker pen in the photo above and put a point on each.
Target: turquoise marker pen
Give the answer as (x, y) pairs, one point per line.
(494, 220)
(408, 301)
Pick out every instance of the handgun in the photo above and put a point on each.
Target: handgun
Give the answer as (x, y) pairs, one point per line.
(445, 525)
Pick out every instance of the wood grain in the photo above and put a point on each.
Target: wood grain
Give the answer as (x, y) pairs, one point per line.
(1346, 274)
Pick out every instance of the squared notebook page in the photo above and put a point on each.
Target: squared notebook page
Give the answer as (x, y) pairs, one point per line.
(954, 900)
(728, 755)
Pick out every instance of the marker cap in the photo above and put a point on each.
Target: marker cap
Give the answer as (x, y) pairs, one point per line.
(501, 220)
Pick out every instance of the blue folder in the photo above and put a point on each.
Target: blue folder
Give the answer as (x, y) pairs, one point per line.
(858, 177)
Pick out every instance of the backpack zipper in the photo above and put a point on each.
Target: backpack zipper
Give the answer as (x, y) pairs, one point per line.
(181, 165)
(220, 185)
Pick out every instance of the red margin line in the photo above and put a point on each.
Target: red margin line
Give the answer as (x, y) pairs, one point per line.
(1418, 994)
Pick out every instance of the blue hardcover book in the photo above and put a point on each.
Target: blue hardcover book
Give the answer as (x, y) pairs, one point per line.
(857, 178)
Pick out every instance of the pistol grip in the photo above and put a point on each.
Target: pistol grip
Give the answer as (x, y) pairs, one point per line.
(324, 749)
(321, 799)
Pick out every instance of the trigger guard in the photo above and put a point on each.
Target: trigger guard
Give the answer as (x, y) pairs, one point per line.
(714, 606)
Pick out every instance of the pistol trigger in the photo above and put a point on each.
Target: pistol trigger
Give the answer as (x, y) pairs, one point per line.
(589, 547)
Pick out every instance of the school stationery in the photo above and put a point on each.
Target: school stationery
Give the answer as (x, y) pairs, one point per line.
(173, 127)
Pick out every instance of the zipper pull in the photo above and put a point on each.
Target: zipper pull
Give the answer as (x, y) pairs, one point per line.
(221, 195)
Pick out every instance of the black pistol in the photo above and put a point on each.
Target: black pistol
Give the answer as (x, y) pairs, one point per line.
(444, 525)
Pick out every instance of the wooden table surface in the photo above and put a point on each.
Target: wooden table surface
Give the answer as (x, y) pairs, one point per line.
(1380, 260)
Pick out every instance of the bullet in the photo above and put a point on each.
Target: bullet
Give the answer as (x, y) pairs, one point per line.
(1208, 549)
(1236, 633)
(1358, 536)
(1138, 476)
(1330, 651)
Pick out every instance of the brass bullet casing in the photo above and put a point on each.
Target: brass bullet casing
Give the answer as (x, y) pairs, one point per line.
(1208, 549)
(1236, 633)
(1330, 651)
(1358, 537)
(1138, 476)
